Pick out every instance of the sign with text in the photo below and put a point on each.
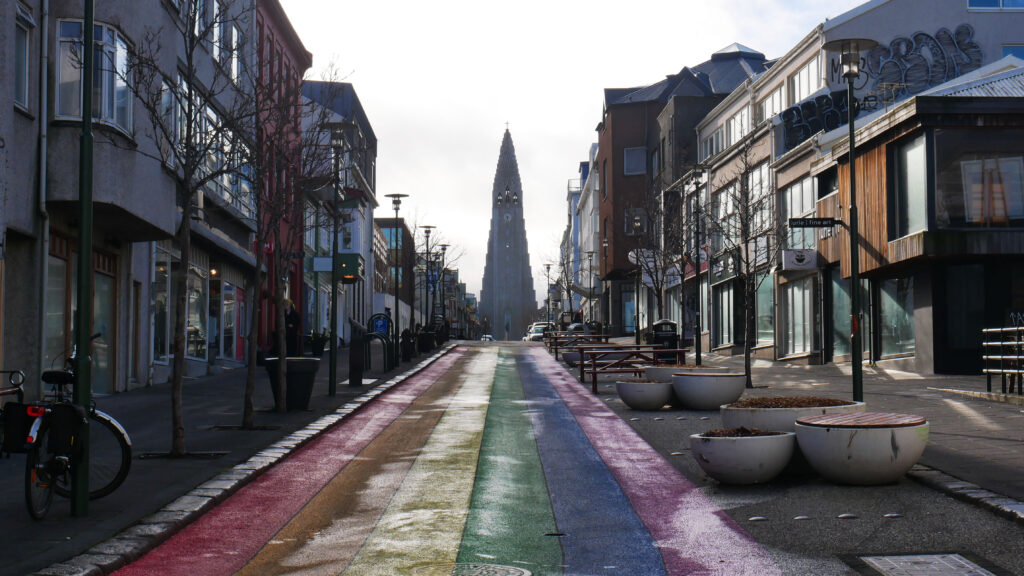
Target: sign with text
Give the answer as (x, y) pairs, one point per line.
(812, 222)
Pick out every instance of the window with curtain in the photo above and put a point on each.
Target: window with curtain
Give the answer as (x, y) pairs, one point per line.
(798, 201)
(23, 25)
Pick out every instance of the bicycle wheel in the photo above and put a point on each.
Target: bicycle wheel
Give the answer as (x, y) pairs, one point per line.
(38, 477)
(110, 457)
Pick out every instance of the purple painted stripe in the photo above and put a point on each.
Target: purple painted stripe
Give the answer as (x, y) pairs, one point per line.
(695, 536)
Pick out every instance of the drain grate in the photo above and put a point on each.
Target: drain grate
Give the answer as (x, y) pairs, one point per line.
(925, 565)
(470, 569)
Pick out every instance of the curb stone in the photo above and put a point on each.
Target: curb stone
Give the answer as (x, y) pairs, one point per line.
(131, 543)
(1006, 507)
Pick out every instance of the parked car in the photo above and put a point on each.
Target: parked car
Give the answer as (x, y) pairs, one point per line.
(536, 333)
(487, 338)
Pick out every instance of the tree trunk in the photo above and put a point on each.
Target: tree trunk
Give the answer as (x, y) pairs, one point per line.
(748, 325)
(279, 330)
(180, 323)
(248, 409)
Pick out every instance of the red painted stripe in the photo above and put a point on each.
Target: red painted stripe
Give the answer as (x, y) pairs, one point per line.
(694, 535)
(225, 538)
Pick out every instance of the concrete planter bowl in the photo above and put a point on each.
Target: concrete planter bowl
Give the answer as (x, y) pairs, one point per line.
(702, 390)
(664, 372)
(644, 395)
(743, 459)
(778, 419)
(862, 455)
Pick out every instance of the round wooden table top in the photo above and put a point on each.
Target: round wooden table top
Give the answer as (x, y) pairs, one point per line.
(862, 420)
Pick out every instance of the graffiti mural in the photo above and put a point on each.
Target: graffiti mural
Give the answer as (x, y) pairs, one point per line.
(825, 112)
(889, 72)
(922, 61)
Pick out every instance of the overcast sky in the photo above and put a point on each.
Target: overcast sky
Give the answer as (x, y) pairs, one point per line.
(440, 79)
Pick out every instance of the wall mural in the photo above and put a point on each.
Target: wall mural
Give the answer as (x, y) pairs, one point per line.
(904, 67)
(922, 61)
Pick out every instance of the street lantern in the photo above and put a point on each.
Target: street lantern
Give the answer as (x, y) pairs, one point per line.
(338, 146)
(849, 50)
(590, 283)
(427, 229)
(396, 203)
(698, 329)
(547, 299)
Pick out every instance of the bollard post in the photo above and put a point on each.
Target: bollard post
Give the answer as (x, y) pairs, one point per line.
(355, 355)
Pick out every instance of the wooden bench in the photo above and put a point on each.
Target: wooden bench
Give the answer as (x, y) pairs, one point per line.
(624, 360)
(578, 349)
(568, 341)
(864, 448)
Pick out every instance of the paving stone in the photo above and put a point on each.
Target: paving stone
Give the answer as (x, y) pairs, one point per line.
(166, 517)
(148, 530)
(107, 563)
(207, 493)
(189, 504)
(128, 548)
(219, 483)
(68, 570)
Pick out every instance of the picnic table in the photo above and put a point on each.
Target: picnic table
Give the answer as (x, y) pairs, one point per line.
(624, 359)
(566, 340)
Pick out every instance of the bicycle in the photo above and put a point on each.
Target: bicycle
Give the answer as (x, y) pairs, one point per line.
(50, 432)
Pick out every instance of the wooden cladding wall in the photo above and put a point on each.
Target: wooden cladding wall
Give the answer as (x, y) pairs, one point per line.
(872, 210)
(831, 242)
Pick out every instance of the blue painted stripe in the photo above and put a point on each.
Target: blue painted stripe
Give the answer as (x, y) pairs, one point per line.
(603, 534)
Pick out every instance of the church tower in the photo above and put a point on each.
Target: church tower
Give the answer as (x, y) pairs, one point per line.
(507, 299)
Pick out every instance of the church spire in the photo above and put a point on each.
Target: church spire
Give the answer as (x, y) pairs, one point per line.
(507, 297)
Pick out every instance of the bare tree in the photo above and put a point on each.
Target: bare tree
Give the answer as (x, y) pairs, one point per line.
(745, 237)
(196, 116)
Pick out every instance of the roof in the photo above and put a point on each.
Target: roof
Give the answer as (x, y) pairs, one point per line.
(723, 73)
(340, 98)
(1002, 78)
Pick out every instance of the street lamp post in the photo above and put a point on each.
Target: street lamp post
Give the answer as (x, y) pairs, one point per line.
(850, 50)
(547, 289)
(338, 144)
(698, 328)
(639, 275)
(426, 275)
(396, 203)
(590, 284)
(442, 298)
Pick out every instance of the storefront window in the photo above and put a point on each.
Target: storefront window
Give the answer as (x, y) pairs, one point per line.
(56, 301)
(798, 298)
(103, 321)
(161, 290)
(723, 309)
(896, 308)
(196, 329)
(766, 313)
(979, 177)
(840, 314)
(230, 310)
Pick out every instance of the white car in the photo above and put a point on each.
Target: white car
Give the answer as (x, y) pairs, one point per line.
(487, 338)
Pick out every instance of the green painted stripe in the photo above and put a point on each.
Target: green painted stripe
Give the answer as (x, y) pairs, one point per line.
(424, 522)
(510, 512)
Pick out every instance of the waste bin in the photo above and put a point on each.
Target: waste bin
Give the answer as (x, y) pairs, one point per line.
(664, 332)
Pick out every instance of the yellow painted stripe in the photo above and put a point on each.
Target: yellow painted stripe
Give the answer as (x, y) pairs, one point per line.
(423, 524)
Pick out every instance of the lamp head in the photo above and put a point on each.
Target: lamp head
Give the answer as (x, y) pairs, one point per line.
(849, 50)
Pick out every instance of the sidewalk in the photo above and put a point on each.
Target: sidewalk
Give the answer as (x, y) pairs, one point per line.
(212, 409)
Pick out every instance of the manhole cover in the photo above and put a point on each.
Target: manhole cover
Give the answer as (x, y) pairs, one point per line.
(925, 564)
(470, 570)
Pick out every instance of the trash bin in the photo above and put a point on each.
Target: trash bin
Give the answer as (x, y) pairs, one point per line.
(664, 332)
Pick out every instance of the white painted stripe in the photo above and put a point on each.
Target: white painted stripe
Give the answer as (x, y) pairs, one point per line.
(423, 524)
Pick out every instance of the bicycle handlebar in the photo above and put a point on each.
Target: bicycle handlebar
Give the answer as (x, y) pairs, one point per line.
(16, 379)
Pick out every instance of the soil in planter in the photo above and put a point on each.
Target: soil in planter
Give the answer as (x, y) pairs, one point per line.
(789, 402)
(741, 432)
